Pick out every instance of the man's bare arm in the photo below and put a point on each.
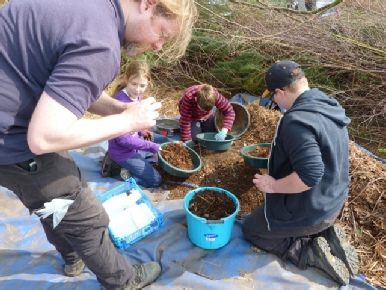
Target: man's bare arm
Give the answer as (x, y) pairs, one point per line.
(106, 105)
(54, 128)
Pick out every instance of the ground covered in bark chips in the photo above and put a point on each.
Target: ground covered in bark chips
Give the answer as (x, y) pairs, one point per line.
(363, 215)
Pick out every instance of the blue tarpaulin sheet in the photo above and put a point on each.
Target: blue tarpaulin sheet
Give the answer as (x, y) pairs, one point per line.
(28, 261)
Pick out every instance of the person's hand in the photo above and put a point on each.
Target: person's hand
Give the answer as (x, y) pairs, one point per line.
(220, 136)
(141, 115)
(264, 183)
(147, 135)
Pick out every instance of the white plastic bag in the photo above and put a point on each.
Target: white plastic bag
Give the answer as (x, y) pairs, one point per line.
(57, 207)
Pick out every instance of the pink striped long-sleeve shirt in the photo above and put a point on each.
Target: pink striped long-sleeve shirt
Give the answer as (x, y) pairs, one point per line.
(189, 111)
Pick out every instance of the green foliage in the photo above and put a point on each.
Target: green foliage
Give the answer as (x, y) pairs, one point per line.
(245, 71)
(242, 67)
(382, 151)
(206, 44)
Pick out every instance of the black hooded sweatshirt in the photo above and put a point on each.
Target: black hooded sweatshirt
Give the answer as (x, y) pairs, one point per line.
(312, 140)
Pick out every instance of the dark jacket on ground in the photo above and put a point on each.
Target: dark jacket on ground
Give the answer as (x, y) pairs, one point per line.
(312, 140)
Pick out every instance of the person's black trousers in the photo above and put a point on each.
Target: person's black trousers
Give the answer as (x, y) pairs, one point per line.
(286, 243)
(82, 233)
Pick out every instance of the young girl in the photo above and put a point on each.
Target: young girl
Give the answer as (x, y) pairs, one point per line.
(135, 151)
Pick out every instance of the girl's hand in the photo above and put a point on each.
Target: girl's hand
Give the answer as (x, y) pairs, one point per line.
(147, 135)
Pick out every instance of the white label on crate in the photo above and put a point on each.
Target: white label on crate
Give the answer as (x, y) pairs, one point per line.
(210, 237)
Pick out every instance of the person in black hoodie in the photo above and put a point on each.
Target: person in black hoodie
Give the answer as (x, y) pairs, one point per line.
(307, 181)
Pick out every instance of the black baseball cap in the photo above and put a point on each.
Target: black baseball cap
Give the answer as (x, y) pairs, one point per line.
(280, 75)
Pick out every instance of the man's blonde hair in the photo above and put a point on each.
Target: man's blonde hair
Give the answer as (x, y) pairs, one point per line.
(185, 12)
(206, 97)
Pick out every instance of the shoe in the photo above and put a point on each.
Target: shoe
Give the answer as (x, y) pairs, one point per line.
(74, 269)
(109, 168)
(106, 165)
(319, 256)
(146, 274)
(341, 248)
(125, 174)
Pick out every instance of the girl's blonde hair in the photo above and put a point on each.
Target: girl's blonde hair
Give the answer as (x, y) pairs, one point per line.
(185, 12)
(135, 69)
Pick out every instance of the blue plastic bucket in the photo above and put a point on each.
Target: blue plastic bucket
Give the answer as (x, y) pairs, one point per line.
(205, 233)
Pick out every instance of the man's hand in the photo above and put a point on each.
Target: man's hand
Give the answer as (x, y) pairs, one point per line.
(264, 183)
(142, 115)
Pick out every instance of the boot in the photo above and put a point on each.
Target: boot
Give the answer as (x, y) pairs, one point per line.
(109, 168)
(340, 247)
(125, 174)
(75, 269)
(319, 256)
(106, 165)
(145, 274)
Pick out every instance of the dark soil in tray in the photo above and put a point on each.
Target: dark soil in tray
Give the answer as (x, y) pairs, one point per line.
(177, 155)
(260, 152)
(212, 205)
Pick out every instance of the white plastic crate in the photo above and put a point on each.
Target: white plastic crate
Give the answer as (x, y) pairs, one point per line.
(133, 218)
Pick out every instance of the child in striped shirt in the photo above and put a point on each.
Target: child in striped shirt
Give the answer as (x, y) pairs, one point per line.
(197, 114)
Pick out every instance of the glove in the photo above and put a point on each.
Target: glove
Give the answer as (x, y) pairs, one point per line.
(220, 136)
(147, 135)
(189, 143)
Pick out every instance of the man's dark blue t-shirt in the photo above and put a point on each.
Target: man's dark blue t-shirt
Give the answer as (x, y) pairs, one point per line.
(69, 49)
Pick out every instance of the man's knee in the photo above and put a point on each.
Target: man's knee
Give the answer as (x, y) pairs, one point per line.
(249, 233)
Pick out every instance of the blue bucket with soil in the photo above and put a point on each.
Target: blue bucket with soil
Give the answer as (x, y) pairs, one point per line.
(210, 234)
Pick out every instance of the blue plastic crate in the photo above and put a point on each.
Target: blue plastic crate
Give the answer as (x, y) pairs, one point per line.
(124, 242)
